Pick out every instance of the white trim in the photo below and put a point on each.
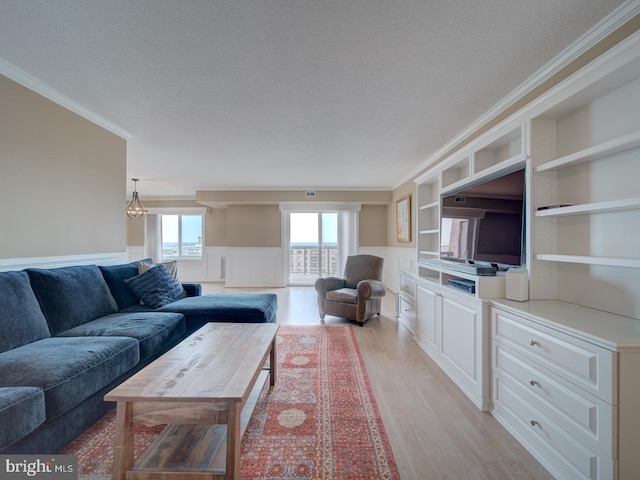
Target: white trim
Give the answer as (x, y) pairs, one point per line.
(13, 264)
(32, 83)
(624, 54)
(605, 27)
(178, 210)
(319, 207)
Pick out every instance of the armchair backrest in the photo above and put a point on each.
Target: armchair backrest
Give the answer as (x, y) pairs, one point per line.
(362, 267)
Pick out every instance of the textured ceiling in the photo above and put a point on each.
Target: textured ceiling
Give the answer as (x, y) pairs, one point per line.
(286, 94)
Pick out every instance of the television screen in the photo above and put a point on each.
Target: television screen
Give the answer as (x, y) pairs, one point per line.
(485, 223)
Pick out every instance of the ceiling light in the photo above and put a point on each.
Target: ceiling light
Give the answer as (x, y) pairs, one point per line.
(135, 210)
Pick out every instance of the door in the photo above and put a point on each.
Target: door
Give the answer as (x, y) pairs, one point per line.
(313, 246)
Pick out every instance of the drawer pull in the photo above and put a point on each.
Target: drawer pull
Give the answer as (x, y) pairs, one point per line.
(532, 382)
(532, 342)
(533, 422)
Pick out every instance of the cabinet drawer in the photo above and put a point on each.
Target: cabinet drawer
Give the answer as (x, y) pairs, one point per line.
(407, 285)
(407, 311)
(585, 365)
(581, 415)
(562, 454)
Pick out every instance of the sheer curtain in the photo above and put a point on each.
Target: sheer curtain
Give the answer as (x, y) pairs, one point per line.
(153, 237)
(348, 240)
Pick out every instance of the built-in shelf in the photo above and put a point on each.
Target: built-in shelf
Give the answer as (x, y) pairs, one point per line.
(495, 170)
(611, 147)
(499, 168)
(429, 205)
(589, 260)
(612, 206)
(425, 232)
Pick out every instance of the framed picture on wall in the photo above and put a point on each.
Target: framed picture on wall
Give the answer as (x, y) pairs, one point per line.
(403, 219)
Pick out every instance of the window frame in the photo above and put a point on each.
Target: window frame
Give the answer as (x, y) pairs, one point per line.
(180, 255)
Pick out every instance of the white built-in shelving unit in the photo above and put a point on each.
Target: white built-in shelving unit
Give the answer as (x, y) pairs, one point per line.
(559, 371)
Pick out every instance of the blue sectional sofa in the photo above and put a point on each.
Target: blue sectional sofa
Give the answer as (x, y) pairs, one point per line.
(69, 335)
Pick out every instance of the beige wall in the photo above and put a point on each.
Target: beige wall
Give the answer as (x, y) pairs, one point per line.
(62, 180)
(253, 226)
(407, 188)
(260, 226)
(373, 226)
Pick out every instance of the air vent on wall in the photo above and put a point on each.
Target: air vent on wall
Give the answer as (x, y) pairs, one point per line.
(459, 200)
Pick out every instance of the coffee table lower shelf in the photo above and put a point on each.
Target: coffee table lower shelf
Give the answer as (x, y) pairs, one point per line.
(193, 452)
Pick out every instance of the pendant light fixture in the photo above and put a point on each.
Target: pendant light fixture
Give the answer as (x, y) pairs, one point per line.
(135, 210)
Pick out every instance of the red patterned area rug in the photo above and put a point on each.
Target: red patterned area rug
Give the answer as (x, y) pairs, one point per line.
(320, 421)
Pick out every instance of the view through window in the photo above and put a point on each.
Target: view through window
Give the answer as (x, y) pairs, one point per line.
(181, 236)
(313, 246)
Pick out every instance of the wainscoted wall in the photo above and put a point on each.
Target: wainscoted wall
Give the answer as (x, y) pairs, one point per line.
(14, 264)
(234, 266)
(255, 267)
(264, 266)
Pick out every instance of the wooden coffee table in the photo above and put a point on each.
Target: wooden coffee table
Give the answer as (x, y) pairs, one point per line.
(205, 390)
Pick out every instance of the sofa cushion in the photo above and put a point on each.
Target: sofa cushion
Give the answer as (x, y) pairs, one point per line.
(71, 296)
(68, 369)
(233, 307)
(156, 287)
(21, 320)
(115, 275)
(153, 330)
(21, 412)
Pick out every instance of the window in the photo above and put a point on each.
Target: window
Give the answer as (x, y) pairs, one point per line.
(181, 236)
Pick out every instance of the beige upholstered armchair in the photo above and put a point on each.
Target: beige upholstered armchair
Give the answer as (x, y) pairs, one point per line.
(358, 296)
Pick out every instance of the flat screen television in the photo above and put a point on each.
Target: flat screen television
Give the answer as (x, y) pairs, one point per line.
(484, 224)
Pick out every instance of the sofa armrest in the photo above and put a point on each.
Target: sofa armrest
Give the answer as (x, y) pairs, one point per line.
(367, 289)
(192, 289)
(326, 284)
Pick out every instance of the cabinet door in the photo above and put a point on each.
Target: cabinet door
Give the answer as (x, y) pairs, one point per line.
(462, 348)
(460, 331)
(427, 324)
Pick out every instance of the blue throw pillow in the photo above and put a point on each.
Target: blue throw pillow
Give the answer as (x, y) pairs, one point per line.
(71, 296)
(115, 275)
(156, 287)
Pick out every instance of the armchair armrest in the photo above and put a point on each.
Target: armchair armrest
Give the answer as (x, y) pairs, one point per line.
(370, 288)
(326, 284)
(192, 289)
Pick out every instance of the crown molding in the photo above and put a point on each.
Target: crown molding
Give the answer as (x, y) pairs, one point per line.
(600, 31)
(32, 83)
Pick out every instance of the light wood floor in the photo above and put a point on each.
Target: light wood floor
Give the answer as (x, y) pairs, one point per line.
(436, 433)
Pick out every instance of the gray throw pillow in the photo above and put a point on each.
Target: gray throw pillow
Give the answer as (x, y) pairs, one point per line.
(172, 267)
(156, 287)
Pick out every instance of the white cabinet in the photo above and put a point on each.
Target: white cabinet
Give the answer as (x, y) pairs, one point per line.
(585, 209)
(429, 220)
(428, 324)
(464, 333)
(406, 310)
(564, 374)
(559, 386)
(452, 327)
